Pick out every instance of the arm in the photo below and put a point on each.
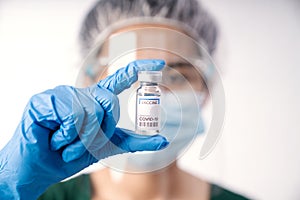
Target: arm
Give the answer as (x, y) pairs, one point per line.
(65, 129)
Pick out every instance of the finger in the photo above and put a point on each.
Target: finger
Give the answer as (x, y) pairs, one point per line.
(131, 142)
(110, 104)
(63, 136)
(124, 141)
(77, 148)
(125, 77)
(73, 151)
(71, 117)
(90, 135)
(83, 115)
(84, 161)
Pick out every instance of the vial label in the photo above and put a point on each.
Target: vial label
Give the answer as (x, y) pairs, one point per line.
(148, 113)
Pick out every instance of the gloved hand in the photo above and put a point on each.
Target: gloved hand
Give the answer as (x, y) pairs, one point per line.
(65, 129)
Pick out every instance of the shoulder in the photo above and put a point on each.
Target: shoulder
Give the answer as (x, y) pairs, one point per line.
(75, 188)
(220, 193)
(213, 191)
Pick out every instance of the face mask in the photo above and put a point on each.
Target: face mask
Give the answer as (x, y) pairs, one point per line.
(181, 122)
(182, 112)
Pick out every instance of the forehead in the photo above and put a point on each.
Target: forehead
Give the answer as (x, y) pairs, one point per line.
(149, 41)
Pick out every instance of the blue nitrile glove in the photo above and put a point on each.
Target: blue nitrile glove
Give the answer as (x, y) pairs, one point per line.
(65, 129)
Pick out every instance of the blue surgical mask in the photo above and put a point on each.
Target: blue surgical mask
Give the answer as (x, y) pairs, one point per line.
(182, 111)
(182, 122)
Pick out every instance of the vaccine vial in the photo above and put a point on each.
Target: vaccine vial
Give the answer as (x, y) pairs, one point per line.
(148, 101)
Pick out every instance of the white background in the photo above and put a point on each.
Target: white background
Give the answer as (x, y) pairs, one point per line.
(258, 154)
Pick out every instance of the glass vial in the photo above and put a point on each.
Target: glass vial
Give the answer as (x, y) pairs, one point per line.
(148, 101)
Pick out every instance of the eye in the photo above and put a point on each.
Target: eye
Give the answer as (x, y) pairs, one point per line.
(176, 79)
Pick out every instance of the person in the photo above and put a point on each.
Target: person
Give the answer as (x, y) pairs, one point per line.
(148, 26)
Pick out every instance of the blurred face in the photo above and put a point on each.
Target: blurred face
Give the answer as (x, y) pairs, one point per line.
(179, 74)
(182, 87)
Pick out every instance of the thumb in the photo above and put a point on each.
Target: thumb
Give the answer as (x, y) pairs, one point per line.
(131, 142)
(124, 141)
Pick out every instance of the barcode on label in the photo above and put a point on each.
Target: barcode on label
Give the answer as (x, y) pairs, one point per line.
(148, 124)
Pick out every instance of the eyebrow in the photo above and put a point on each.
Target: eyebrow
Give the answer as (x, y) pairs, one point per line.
(179, 64)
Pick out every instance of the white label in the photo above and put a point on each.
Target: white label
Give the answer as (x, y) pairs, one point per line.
(148, 112)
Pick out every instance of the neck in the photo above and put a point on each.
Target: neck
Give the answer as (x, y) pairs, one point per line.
(138, 186)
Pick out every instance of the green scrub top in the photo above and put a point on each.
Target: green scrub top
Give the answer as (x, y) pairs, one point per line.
(79, 188)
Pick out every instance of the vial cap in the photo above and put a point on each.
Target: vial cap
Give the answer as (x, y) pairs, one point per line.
(150, 76)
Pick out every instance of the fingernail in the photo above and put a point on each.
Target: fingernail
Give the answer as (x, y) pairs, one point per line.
(162, 62)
